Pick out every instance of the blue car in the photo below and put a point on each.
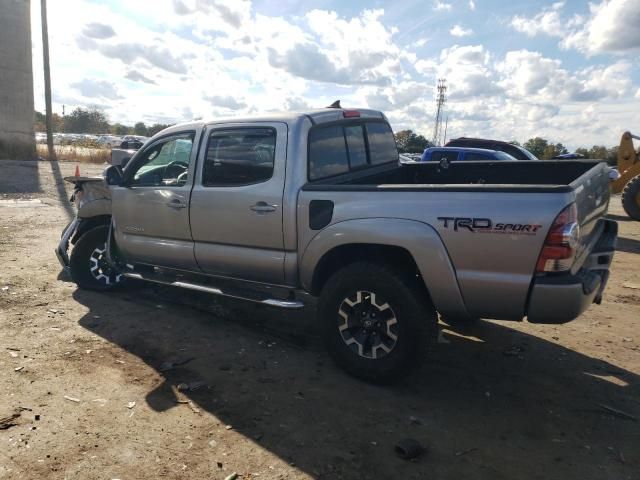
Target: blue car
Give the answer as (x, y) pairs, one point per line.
(435, 154)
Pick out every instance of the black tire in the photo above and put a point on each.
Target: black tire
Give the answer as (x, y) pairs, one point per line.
(88, 266)
(631, 198)
(387, 295)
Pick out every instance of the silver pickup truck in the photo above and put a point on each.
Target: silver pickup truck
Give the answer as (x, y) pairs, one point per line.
(291, 208)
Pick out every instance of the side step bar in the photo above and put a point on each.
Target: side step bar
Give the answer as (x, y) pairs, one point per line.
(273, 302)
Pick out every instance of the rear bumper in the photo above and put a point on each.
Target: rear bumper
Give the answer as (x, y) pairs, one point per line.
(560, 299)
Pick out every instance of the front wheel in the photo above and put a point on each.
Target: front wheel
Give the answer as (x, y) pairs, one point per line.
(88, 263)
(376, 322)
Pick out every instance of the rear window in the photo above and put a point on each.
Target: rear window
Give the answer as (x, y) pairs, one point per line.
(337, 149)
(381, 143)
(327, 152)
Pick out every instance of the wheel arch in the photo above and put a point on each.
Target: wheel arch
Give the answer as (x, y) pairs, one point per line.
(86, 224)
(409, 243)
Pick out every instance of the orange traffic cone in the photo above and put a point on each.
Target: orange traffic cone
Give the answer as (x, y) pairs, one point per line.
(77, 174)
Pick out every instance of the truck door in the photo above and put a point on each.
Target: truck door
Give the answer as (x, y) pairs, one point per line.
(236, 202)
(151, 209)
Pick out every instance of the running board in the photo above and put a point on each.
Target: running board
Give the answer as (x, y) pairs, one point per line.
(273, 302)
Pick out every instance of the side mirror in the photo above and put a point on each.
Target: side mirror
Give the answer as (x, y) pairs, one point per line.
(113, 176)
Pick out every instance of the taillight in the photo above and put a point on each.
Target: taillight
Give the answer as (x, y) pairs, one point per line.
(350, 113)
(559, 248)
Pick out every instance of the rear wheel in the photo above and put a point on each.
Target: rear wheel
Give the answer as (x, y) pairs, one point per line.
(88, 262)
(631, 198)
(376, 322)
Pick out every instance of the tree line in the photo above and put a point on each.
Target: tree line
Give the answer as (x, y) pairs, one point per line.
(95, 121)
(410, 142)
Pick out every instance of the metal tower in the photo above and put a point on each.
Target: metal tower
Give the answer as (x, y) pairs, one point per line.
(440, 101)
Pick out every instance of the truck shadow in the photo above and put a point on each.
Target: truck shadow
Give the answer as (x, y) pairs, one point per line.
(628, 245)
(492, 403)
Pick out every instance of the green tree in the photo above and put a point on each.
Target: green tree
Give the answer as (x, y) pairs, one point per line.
(612, 156)
(86, 120)
(583, 151)
(536, 146)
(119, 129)
(552, 151)
(140, 129)
(410, 142)
(598, 152)
(155, 128)
(39, 124)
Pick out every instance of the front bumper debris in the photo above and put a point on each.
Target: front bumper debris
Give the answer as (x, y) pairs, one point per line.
(63, 246)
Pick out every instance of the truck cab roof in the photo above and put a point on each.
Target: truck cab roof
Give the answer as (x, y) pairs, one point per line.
(315, 116)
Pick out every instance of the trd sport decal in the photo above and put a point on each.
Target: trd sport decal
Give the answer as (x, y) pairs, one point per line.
(485, 225)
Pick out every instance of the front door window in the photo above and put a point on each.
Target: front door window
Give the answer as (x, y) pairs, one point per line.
(165, 163)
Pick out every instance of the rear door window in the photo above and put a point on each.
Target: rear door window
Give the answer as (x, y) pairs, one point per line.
(239, 156)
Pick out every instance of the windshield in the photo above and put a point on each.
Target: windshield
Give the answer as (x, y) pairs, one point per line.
(527, 153)
(504, 156)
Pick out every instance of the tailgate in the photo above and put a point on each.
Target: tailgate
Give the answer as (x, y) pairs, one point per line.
(592, 200)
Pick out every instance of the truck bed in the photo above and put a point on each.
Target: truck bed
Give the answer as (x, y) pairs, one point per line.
(508, 193)
(503, 176)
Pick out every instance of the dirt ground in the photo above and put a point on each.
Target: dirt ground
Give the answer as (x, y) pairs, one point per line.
(86, 377)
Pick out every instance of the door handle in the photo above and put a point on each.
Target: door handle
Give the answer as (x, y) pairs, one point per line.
(176, 204)
(263, 207)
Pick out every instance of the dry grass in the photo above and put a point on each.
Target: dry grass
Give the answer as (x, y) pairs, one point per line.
(76, 154)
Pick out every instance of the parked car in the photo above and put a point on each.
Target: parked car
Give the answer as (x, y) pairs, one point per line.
(517, 152)
(132, 142)
(294, 209)
(127, 148)
(109, 141)
(409, 157)
(435, 154)
(568, 156)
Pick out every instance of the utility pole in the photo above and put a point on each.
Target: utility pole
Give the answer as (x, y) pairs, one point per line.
(47, 79)
(446, 125)
(440, 101)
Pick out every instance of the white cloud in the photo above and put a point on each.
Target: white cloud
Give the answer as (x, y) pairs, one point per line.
(612, 27)
(96, 89)
(472, 5)
(226, 101)
(212, 58)
(458, 31)
(418, 43)
(528, 75)
(439, 6)
(548, 21)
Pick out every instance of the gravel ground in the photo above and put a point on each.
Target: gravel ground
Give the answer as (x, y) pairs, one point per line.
(86, 391)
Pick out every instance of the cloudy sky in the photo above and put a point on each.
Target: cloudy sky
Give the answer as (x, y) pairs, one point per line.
(568, 71)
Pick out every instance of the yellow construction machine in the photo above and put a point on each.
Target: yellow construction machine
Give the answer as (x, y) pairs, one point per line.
(629, 181)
